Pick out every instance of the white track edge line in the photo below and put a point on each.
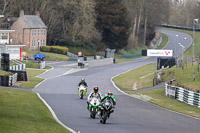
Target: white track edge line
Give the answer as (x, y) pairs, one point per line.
(144, 100)
(54, 115)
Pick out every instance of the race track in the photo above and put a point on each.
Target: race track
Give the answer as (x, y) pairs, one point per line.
(131, 115)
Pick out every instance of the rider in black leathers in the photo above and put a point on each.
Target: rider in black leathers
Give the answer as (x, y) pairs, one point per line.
(83, 82)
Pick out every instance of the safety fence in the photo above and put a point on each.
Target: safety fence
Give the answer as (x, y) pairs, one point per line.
(18, 66)
(95, 63)
(8, 80)
(183, 95)
(179, 27)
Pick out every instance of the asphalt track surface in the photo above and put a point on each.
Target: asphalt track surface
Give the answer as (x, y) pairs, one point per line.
(131, 115)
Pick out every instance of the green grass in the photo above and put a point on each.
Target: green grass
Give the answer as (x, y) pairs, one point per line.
(32, 80)
(158, 97)
(5, 73)
(30, 64)
(23, 112)
(164, 41)
(141, 77)
(47, 67)
(136, 50)
(50, 56)
(184, 77)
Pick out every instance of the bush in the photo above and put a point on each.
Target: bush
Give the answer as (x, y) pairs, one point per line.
(45, 48)
(58, 49)
(54, 49)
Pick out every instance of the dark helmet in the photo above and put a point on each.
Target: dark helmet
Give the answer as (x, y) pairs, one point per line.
(82, 80)
(96, 89)
(110, 93)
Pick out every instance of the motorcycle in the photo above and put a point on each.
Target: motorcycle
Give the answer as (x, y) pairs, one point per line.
(82, 91)
(106, 108)
(94, 107)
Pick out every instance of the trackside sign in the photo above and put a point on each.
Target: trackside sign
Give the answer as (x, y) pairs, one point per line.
(154, 52)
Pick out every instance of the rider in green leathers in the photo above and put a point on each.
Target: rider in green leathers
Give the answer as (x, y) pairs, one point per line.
(109, 96)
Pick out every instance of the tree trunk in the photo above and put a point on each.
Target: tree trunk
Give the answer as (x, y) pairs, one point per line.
(145, 29)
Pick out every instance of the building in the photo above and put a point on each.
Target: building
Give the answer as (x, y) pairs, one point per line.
(6, 42)
(29, 31)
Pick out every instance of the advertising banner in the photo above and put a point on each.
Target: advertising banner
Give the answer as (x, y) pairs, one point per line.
(154, 52)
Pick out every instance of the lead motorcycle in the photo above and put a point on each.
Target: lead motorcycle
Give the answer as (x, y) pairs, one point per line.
(106, 109)
(94, 107)
(82, 91)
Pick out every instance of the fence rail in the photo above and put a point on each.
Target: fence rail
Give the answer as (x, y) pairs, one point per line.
(183, 95)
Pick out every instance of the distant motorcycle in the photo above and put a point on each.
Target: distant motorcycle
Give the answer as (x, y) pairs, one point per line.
(82, 91)
(105, 111)
(93, 107)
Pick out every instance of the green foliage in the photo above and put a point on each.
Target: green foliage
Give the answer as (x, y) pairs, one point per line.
(58, 49)
(45, 48)
(136, 50)
(54, 49)
(85, 51)
(112, 23)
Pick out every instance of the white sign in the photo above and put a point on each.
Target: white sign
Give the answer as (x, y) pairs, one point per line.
(154, 52)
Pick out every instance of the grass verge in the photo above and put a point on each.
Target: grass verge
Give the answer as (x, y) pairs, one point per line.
(32, 80)
(23, 112)
(50, 56)
(184, 77)
(138, 78)
(158, 97)
(164, 41)
(188, 52)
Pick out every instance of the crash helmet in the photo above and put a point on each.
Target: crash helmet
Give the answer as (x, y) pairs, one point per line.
(110, 93)
(96, 89)
(82, 80)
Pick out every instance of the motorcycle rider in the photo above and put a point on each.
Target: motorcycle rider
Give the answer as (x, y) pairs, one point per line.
(83, 82)
(109, 96)
(95, 93)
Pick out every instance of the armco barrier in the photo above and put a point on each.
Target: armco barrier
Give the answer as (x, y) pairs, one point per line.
(183, 95)
(96, 63)
(18, 67)
(178, 27)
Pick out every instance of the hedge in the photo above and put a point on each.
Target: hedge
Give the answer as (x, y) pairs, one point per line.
(54, 49)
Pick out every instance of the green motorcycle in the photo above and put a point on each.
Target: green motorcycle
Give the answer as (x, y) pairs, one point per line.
(94, 107)
(106, 109)
(82, 91)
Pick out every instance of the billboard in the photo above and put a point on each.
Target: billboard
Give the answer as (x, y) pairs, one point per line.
(154, 52)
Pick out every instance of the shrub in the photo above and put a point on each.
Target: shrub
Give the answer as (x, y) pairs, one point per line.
(54, 49)
(58, 49)
(45, 48)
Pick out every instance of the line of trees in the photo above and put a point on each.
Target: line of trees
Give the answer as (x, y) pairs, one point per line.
(97, 24)
(183, 12)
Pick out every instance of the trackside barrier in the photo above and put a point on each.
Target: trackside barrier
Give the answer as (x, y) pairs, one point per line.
(19, 66)
(183, 95)
(96, 63)
(8, 80)
(12, 79)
